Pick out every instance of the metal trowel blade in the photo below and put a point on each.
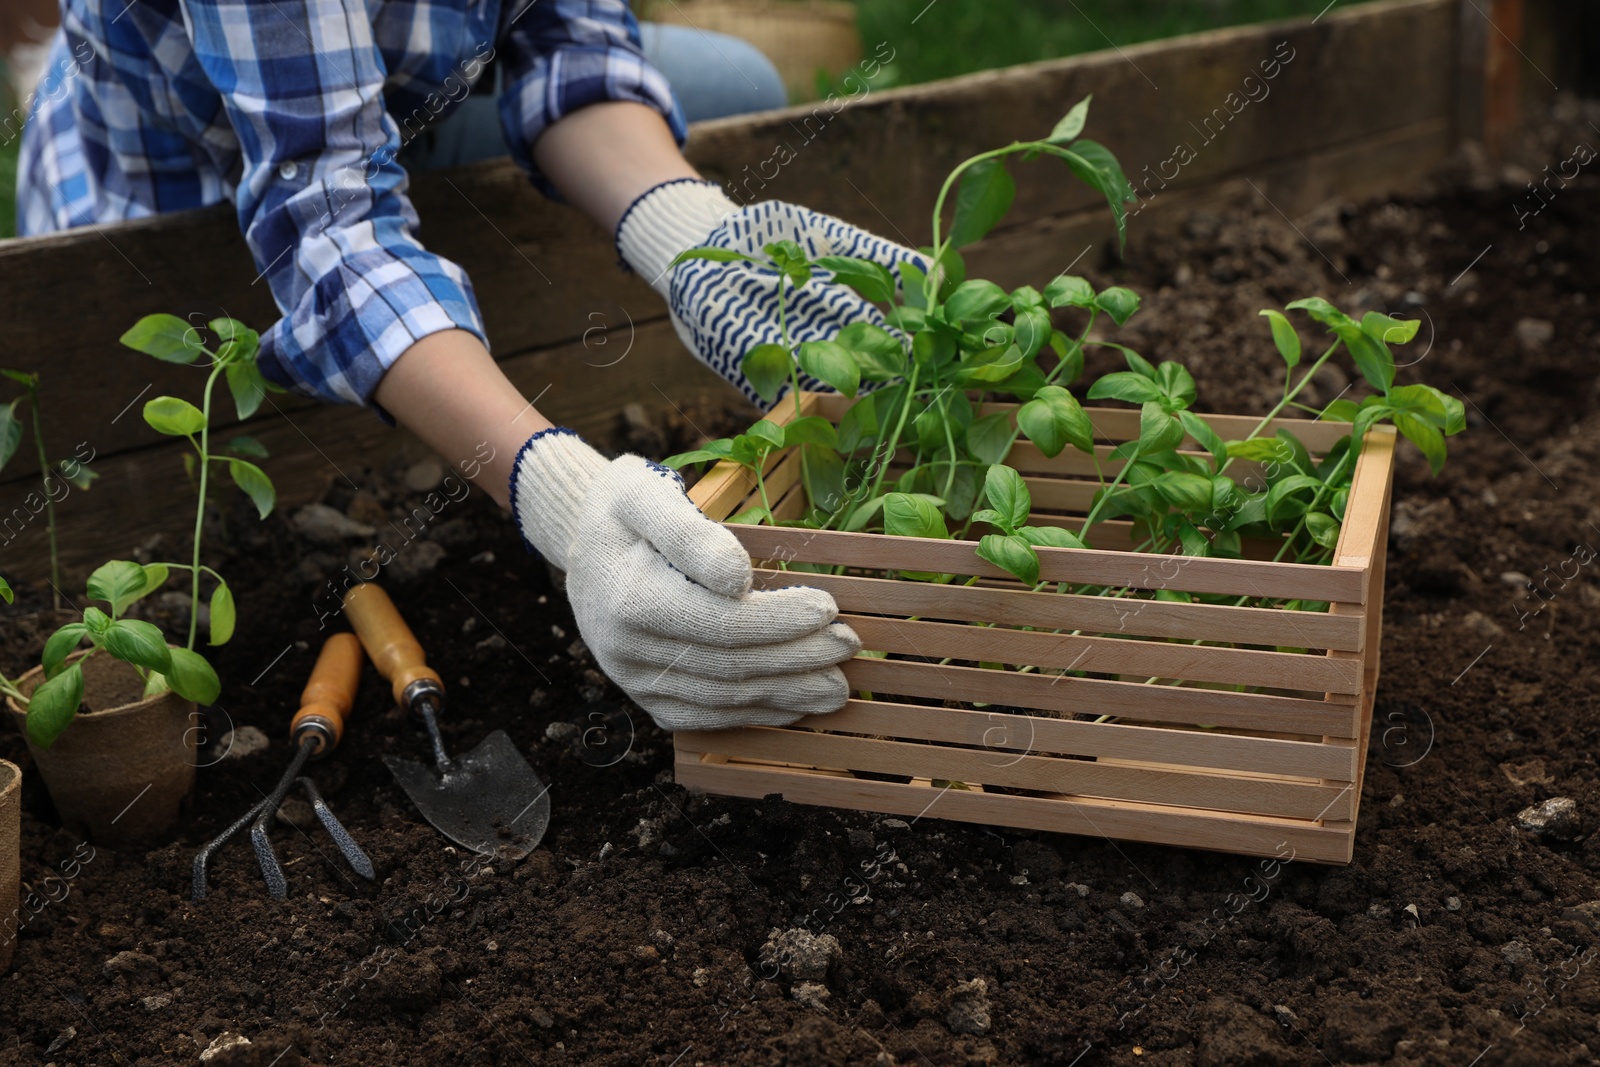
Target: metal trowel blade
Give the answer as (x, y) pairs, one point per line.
(490, 801)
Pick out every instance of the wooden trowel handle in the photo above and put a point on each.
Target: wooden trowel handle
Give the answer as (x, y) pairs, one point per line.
(329, 695)
(394, 650)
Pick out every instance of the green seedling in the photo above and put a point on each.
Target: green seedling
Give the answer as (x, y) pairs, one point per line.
(117, 584)
(914, 452)
(73, 471)
(121, 583)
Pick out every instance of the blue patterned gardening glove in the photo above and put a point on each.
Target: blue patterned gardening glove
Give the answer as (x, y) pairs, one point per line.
(723, 310)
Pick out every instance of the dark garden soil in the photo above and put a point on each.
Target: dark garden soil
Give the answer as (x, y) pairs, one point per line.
(635, 934)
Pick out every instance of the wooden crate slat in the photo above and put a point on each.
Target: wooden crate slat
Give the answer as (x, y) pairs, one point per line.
(1005, 733)
(1075, 777)
(1091, 614)
(1144, 570)
(1107, 655)
(1093, 696)
(1114, 820)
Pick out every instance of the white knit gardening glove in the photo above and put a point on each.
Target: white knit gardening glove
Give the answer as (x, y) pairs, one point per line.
(723, 310)
(662, 594)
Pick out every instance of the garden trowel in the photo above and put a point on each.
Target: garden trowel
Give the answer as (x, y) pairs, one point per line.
(490, 800)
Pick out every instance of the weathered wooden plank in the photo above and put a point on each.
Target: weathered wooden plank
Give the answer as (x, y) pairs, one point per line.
(1089, 614)
(1331, 842)
(1002, 734)
(545, 276)
(1092, 696)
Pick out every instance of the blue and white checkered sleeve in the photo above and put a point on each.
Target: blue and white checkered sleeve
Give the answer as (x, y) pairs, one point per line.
(321, 199)
(563, 55)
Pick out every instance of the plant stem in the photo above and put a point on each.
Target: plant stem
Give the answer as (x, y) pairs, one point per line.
(200, 507)
(49, 500)
(1288, 398)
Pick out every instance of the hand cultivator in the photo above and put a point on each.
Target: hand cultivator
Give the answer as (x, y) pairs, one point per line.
(315, 730)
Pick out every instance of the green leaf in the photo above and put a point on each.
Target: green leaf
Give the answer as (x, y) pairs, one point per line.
(859, 425)
(872, 280)
(1158, 431)
(21, 377)
(711, 453)
(230, 329)
(1189, 493)
(976, 303)
(827, 361)
(192, 678)
(140, 643)
(119, 583)
(1052, 420)
(53, 705)
(249, 389)
(96, 620)
(1097, 168)
(989, 437)
(1066, 290)
(823, 474)
(1284, 336)
(810, 430)
(62, 643)
(1118, 302)
(1008, 495)
(963, 493)
(767, 368)
(1322, 311)
(716, 255)
(76, 472)
(257, 486)
(5, 592)
(1193, 541)
(864, 514)
(1323, 528)
(914, 282)
(10, 431)
(768, 432)
(1071, 123)
(1341, 411)
(1032, 330)
(880, 354)
(1177, 383)
(1281, 496)
(1012, 554)
(751, 516)
(1388, 330)
(1298, 455)
(1424, 435)
(990, 365)
(1125, 385)
(933, 348)
(246, 446)
(1023, 382)
(174, 417)
(166, 337)
(1204, 435)
(1024, 297)
(223, 614)
(982, 200)
(913, 515)
(1372, 358)
(1050, 537)
(155, 576)
(1260, 450)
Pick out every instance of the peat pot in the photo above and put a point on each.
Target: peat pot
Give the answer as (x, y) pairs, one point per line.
(10, 857)
(123, 770)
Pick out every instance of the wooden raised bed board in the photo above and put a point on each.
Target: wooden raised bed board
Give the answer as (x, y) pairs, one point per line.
(1192, 761)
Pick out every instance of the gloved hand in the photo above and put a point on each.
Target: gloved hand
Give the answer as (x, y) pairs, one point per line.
(662, 594)
(723, 310)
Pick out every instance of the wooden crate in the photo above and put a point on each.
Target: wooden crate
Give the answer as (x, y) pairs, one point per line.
(1191, 761)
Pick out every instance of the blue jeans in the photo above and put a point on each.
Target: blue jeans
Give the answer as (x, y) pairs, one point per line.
(713, 75)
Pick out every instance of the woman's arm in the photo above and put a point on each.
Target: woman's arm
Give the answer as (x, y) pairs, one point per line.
(446, 388)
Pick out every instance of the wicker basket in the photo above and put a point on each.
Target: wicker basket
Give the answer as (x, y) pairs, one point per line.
(1256, 749)
(801, 37)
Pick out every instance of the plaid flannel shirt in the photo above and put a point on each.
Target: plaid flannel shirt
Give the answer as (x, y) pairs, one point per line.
(294, 110)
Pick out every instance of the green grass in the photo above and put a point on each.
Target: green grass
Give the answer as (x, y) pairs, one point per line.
(950, 37)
